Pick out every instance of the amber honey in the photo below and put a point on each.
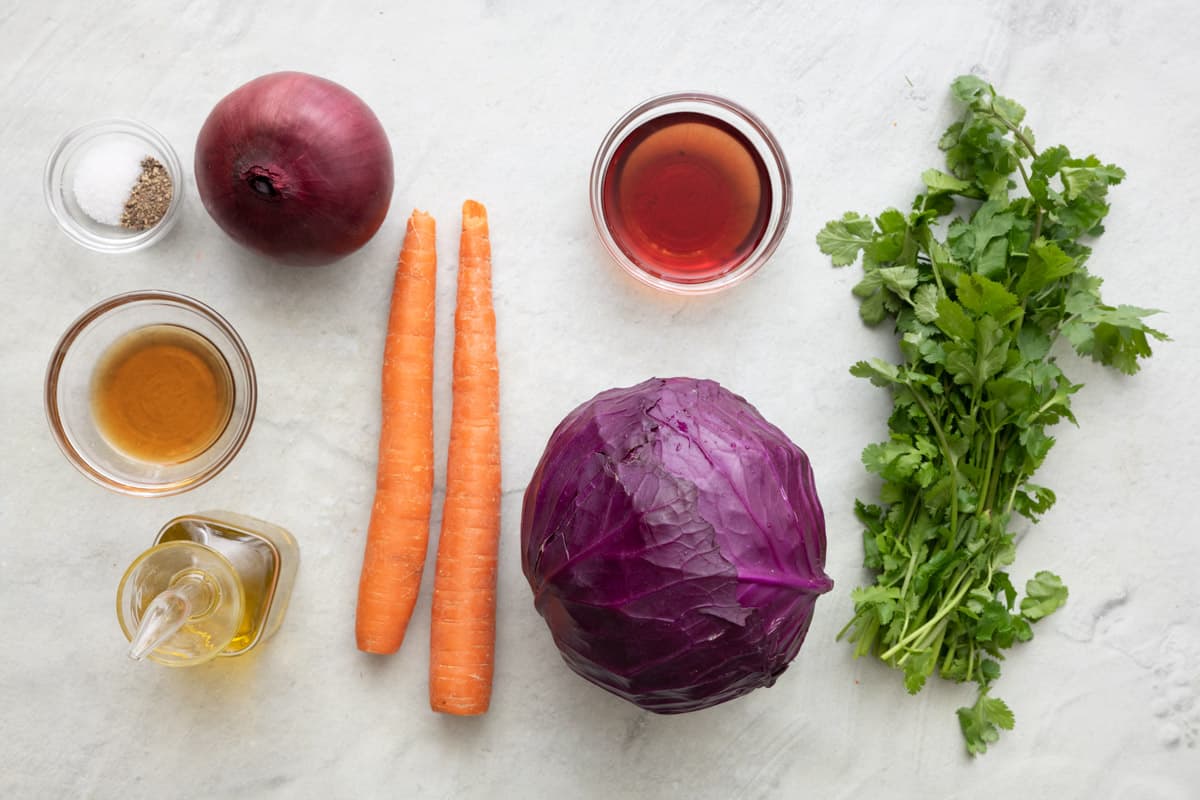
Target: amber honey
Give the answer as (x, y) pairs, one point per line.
(162, 394)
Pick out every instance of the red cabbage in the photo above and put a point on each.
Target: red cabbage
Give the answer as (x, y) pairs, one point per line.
(674, 543)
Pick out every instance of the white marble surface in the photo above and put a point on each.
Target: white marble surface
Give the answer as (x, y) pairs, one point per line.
(507, 102)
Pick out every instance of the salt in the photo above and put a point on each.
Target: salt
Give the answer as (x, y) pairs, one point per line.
(105, 177)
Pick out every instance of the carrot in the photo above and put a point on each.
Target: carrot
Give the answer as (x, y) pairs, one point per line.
(462, 644)
(398, 533)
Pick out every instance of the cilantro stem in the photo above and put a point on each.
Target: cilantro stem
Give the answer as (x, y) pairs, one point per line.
(1037, 222)
(1017, 134)
(853, 623)
(947, 453)
(948, 660)
(908, 573)
(1012, 496)
(912, 559)
(1024, 175)
(912, 563)
(1058, 329)
(945, 608)
(927, 241)
(937, 277)
(939, 636)
(996, 455)
(984, 504)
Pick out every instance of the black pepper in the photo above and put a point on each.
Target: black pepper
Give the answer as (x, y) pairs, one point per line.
(150, 198)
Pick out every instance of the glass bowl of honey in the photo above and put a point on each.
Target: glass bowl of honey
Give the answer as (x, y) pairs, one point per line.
(150, 393)
(690, 193)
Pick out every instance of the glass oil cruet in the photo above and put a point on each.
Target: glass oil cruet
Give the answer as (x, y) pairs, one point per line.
(213, 584)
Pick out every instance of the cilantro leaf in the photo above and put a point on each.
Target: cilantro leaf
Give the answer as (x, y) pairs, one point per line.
(971, 89)
(881, 600)
(842, 239)
(917, 669)
(981, 723)
(953, 321)
(900, 461)
(900, 280)
(925, 303)
(1008, 110)
(870, 284)
(1115, 336)
(990, 228)
(880, 372)
(972, 366)
(1047, 263)
(938, 182)
(983, 296)
(873, 311)
(1044, 594)
(996, 624)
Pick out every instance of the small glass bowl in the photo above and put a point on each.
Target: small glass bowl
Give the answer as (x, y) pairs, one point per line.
(767, 150)
(68, 392)
(59, 185)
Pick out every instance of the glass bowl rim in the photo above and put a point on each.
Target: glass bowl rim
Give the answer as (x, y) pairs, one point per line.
(770, 152)
(72, 228)
(59, 429)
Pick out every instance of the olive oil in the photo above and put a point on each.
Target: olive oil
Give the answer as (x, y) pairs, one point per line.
(265, 557)
(214, 584)
(162, 394)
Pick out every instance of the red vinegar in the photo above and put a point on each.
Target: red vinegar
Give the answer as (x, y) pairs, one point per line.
(687, 197)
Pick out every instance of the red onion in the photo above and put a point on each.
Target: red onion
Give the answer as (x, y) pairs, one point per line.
(295, 167)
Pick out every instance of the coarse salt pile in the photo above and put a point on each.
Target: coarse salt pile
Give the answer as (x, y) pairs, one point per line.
(105, 178)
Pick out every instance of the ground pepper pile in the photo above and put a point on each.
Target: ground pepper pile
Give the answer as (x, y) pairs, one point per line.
(150, 198)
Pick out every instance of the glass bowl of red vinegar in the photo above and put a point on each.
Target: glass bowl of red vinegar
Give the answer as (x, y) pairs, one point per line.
(690, 193)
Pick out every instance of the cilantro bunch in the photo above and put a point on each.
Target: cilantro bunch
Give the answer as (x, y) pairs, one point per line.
(978, 302)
